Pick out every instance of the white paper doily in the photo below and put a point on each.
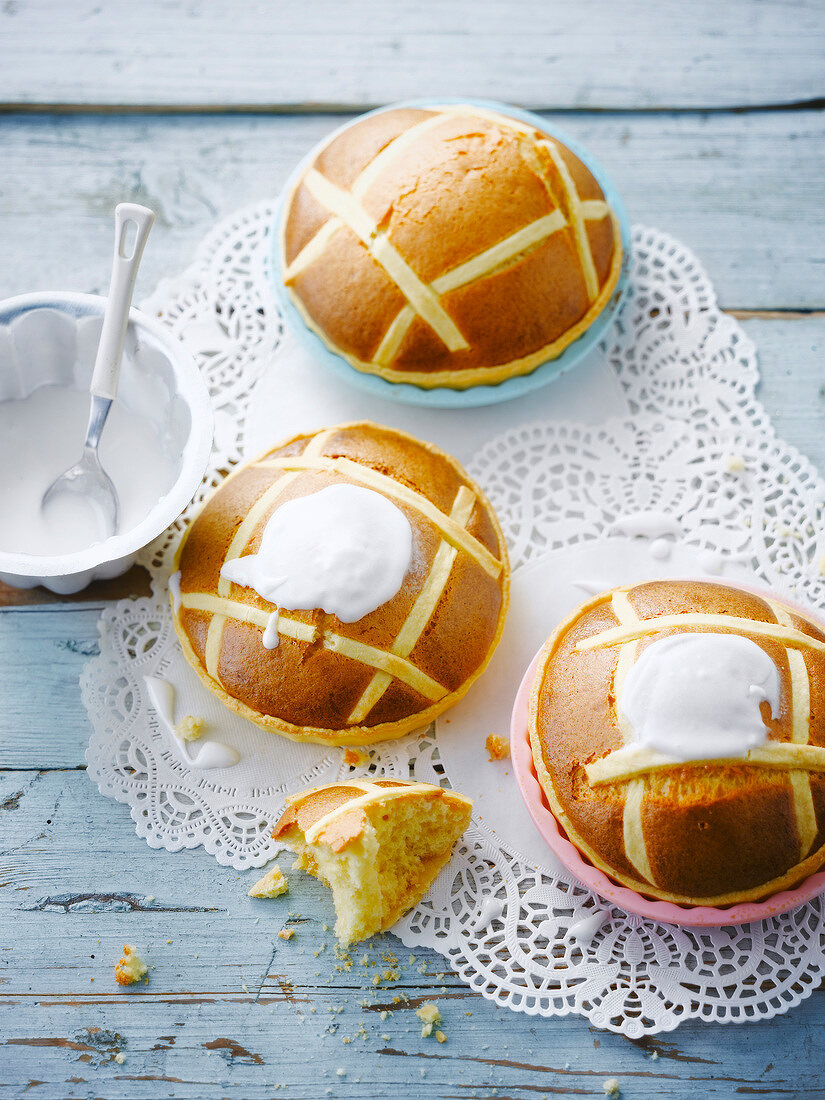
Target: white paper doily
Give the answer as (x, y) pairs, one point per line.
(662, 415)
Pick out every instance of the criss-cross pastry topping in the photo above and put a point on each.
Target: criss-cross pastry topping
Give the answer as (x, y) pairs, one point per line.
(448, 246)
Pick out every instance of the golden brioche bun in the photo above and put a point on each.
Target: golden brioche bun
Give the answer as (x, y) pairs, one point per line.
(448, 246)
(708, 832)
(389, 672)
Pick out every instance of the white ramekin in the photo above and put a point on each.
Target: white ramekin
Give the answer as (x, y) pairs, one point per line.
(50, 337)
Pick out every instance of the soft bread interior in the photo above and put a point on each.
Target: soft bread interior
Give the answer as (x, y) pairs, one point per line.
(389, 866)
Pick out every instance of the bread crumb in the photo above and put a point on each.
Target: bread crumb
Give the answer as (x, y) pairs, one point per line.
(286, 933)
(341, 1072)
(442, 1038)
(130, 968)
(429, 1016)
(190, 727)
(355, 758)
(120, 1057)
(654, 1055)
(497, 747)
(272, 885)
(734, 464)
(611, 1088)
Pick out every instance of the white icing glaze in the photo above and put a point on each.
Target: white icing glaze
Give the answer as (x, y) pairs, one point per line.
(585, 929)
(594, 588)
(174, 588)
(713, 561)
(491, 909)
(270, 639)
(41, 436)
(647, 525)
(214, 754)
(697, 696)
(207, 754)
(344, 549)
(661, 549)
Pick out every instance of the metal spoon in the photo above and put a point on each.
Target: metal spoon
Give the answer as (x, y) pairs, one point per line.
(87, 476)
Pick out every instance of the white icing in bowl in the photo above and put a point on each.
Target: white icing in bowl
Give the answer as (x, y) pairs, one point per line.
(49, 339)
(41, 436)
(697, 696)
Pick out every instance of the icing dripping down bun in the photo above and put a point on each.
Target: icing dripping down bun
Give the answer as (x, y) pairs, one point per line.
(697, 696)
(344, 549)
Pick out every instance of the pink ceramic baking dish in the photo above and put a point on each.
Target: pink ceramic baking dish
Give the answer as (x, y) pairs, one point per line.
(627, 899)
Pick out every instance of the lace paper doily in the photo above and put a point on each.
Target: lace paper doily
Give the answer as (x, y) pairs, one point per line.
(506, 921)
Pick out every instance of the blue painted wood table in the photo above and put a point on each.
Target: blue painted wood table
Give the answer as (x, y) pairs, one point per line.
(710, 117)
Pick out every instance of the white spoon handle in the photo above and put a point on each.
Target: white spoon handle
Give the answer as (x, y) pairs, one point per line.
(124, 272)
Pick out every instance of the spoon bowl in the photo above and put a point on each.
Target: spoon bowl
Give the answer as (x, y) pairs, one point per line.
(88, 478)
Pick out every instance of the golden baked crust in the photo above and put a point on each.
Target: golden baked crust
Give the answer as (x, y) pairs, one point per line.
(700, 833)
(448, 246)
(336, 814)
(396, 668)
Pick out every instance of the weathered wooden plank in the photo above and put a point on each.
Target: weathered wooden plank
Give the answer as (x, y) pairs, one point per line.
(133, 583)
(228, 1009)
(42, 651)
(546, 53)
(744, 192)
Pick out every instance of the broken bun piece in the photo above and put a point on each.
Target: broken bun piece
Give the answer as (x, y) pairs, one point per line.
(378, 844)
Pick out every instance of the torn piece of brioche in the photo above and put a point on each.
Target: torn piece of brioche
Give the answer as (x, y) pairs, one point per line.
(130, 967)
(378, 844)
(272, 885)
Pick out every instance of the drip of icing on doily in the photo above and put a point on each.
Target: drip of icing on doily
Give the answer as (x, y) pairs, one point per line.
(206, 755)
(491, 909)
(583, 930)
